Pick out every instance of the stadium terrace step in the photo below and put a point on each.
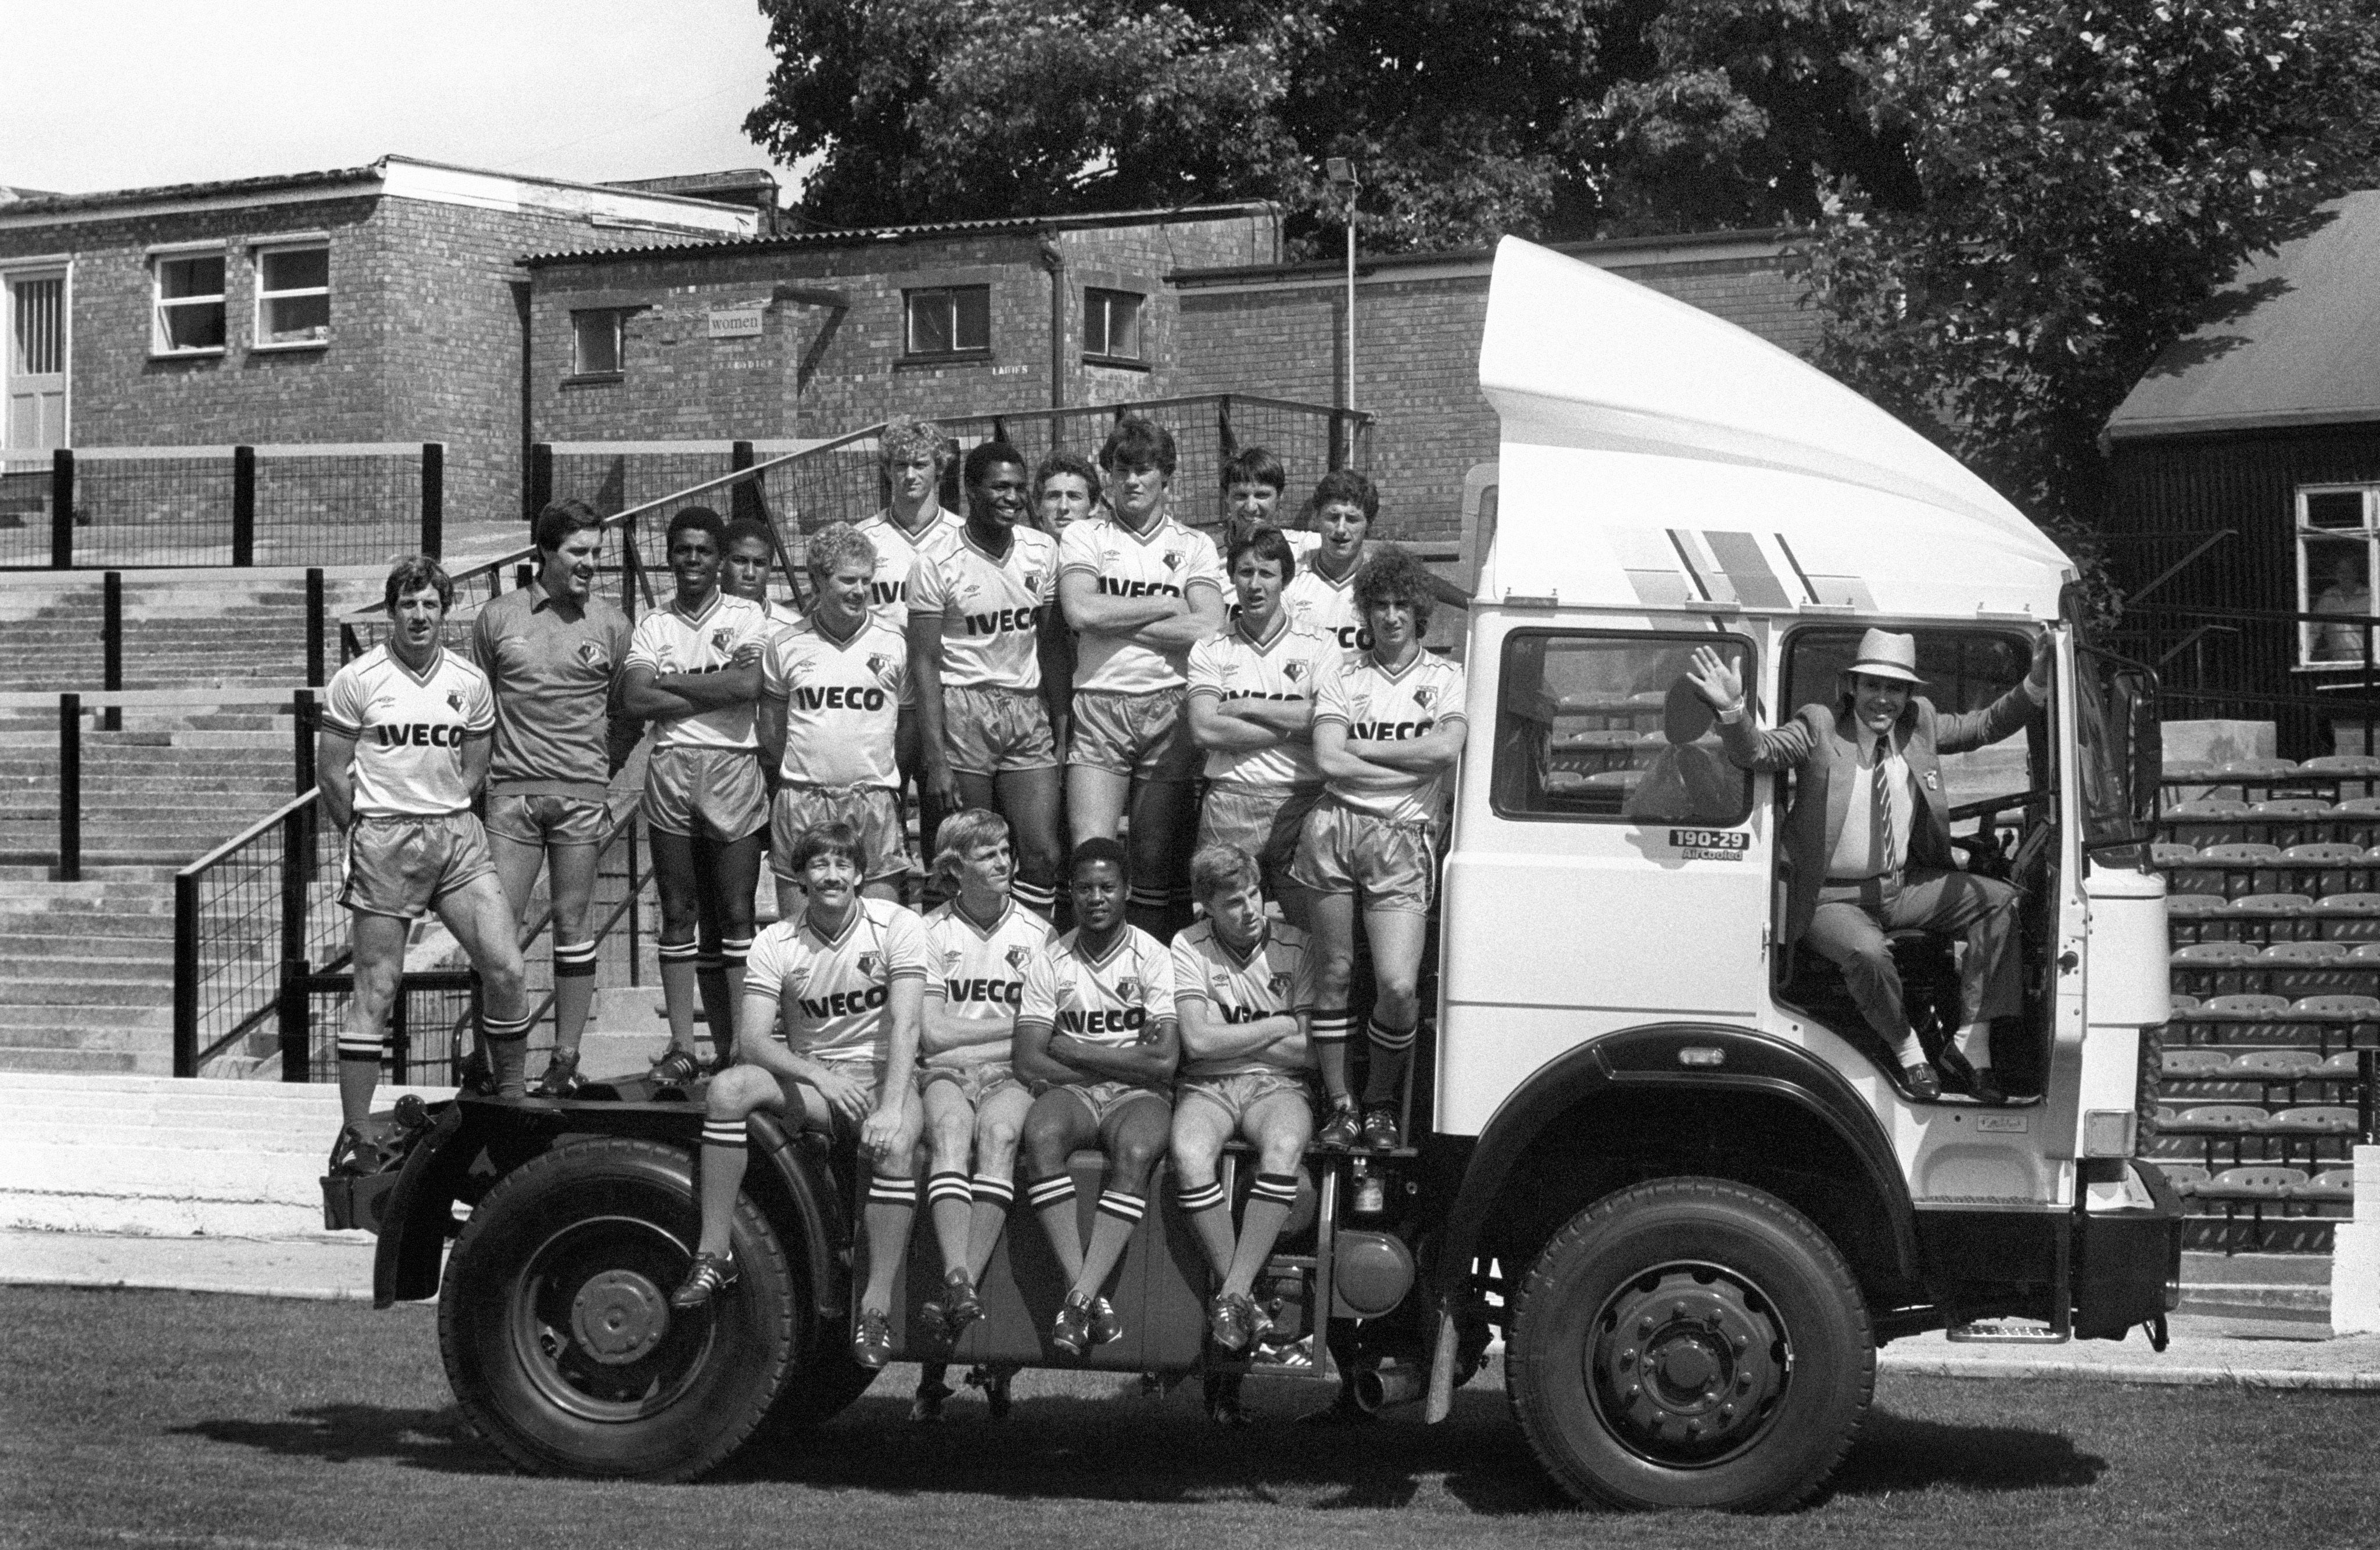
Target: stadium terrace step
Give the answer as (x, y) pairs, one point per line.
(120, 1153)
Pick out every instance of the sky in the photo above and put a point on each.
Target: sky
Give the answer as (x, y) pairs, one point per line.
(98, 94)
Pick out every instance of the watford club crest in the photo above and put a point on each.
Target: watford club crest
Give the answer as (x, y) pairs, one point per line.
(1278, 984)
(1128, 989)
(881, 666)
(454, 699)
(1172, 559)
(1422, 698)
(1033, 581)
(723, 642)
(1293, 671)
(869, 963)
(1018, 957)
(591, 654)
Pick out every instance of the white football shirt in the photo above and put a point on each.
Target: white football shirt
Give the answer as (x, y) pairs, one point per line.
(1290, 666)
(988, 607)
(1319, 603)
(1378, 705)
(667, 640)
(979, 974)
(1167, 560)
(409, 729)
(843, 700)
(1105, 1000)
(830, 991)
(1274, 979)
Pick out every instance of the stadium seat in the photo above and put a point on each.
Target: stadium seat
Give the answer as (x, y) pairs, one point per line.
(2214, 1119)
(2212, 968)
(2170, 853)
(2275, 1068)
(2335, 1019)
(2257, 1182)
(2184, 1177)
(2356, 820)
(2252, 777)
(2199, 1064)
(2350, 770)
(2295, 969)
(2290, 820)
(2347, 917)
(2213, 822)
(2196, 917)
(2332, 1186)
(2182, 1003)
(2325, 868)
(2266, 919)
(2231, 871)
(2233, 1017)
(2318, 1120)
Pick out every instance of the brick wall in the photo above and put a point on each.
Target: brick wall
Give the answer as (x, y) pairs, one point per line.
(1417, 360)
(816, 371)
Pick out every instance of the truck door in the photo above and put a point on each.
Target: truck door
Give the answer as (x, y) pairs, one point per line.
(1609, 868)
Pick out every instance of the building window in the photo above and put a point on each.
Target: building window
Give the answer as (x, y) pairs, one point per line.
(1582, 733)
(2337, 529)
(1111, 324)
(190, 319)
(293, 297)
(597, 335)
(950, 320)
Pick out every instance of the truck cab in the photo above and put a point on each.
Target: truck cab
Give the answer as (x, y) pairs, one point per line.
(1650, 1145)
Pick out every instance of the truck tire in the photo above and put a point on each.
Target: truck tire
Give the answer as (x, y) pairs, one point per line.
(556, 1329)
(1691, 1343)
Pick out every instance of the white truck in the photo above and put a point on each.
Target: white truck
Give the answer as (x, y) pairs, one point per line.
(1659, 1156)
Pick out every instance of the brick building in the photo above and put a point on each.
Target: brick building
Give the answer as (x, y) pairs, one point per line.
(369, 304)
(819, 333)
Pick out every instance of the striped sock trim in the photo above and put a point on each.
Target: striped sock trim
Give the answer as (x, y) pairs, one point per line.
(949, 1186)
(1206, 1197)
(724, 1133)
(733, 951)
(506, 1030)
(1334, 1026)
(891, 1191)
(356, 1049)
(1049, 1192)
(1144, 898)
(1385, 1037)
(676, 952)
(1118, 1203)
(709, 963)
(1279, 1188)
(574, 960)
(1033, 897)
(998, 1192)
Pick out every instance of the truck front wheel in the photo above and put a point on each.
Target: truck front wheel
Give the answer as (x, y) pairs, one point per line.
(557, 1333)
(1691, 1342)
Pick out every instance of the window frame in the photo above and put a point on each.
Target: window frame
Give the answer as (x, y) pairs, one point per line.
(2302, 532)
(910, 297)
(579, 372)
(259, 254)
(160, 337)
(1681, 637)
(1105, 296)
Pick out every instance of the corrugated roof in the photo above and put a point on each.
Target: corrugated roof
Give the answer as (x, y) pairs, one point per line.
(44, 204)
(1022, 226)
(1762, 241)
(2294, 339)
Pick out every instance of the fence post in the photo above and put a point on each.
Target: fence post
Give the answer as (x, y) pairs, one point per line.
(537, 488)
(110, 645)
(186, 976)
(400, 1030)
(1338, 435)
(743, 496)
(243, 506)
(635, 912)
(433, 499)
(297, 1038)
(62, 509)
(317, 615)
(1227, 443)
(71, 788)
(302, 719)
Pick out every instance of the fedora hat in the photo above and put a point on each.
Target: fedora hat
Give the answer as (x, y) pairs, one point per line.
(1883, 654)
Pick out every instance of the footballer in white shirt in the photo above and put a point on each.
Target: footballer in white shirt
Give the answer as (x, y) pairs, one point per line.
(407, 732)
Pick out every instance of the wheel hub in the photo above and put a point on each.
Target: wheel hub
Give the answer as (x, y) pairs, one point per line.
(618, 1316)
(1687, 1363)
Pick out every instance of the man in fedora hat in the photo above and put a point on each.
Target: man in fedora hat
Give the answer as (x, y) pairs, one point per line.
(1869, 837)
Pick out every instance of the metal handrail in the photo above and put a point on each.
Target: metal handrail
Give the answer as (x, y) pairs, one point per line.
(248, 836)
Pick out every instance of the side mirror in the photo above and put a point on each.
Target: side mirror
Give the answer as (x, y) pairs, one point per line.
(2145, 740)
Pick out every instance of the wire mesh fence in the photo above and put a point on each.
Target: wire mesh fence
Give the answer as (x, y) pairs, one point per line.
(346, 504)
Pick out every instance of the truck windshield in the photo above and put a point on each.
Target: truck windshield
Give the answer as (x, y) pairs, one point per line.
(2120, 752)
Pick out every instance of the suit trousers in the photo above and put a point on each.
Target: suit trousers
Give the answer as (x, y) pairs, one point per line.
(1849, 925)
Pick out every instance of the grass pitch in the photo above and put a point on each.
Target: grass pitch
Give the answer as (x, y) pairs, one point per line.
(163, 1419)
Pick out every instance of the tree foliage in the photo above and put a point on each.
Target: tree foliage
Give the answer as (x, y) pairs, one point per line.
(2087, 176)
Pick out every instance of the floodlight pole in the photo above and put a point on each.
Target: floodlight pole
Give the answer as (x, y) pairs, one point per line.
(1342, 173)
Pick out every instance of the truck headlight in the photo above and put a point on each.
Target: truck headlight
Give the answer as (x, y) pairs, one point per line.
(2108, 1132)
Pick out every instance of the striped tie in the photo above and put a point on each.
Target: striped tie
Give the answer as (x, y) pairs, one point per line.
(1880, 810)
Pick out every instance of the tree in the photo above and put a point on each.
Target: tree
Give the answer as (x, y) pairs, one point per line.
(2086, 175)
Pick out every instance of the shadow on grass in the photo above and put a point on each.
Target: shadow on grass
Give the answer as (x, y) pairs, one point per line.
(1898, 1454)
(439, 1439)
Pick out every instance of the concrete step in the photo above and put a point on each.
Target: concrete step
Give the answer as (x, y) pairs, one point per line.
(75, 1062)
(21, 1021)
(93, 948)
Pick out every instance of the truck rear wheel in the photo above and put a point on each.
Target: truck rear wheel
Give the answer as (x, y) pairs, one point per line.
(556, 1329)
(1691, 1342)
